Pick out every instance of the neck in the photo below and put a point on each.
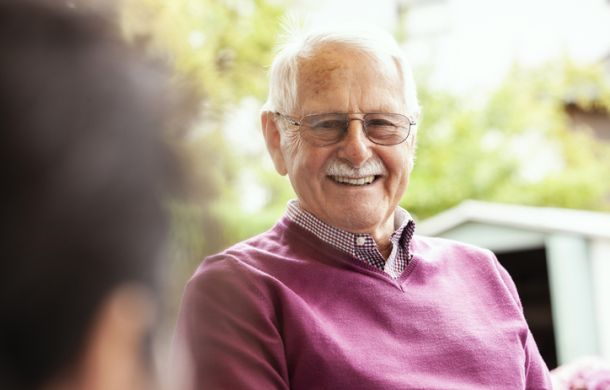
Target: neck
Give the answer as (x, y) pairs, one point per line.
(385, 248)
(381, 235)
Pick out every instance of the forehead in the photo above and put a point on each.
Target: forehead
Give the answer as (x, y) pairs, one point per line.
(343, 79)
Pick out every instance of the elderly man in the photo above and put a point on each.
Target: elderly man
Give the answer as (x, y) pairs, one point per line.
(340, 294)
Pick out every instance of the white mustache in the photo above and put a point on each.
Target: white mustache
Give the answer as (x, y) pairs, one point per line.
(372, 167)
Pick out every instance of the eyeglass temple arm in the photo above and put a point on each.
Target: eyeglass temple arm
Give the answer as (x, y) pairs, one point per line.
(290, 120)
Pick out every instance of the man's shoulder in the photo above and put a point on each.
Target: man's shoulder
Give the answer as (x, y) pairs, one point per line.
(238, 277)
(441, 255)
(449, 252)
(248, 251)
(260, 254)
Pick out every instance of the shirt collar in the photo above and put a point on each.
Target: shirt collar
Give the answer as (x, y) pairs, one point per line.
(344, 240)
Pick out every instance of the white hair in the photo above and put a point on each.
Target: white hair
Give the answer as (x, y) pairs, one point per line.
(283, 75)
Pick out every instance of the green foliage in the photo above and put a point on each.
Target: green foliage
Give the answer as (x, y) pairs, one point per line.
(517, 147)
(222, 46)
(220, 49)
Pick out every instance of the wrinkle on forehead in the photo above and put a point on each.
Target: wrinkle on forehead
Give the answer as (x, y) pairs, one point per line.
(335, 67)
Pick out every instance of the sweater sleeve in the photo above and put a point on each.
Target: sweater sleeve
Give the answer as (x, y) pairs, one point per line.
(536, 372)
(229, 330)
(537, 375)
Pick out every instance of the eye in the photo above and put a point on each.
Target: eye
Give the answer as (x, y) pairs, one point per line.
(379, 122)
(330, 124)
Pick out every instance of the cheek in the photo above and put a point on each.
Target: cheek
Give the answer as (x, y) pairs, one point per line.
(307, 163)
(399, 165)
(300, 174)
(291, 142)
(309, 172)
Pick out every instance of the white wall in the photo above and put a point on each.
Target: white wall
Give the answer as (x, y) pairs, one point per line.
(600, 264)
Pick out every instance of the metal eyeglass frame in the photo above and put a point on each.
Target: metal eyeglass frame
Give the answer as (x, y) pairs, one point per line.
(298, 122)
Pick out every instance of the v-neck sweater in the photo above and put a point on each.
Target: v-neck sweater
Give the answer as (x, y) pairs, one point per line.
(285, 310)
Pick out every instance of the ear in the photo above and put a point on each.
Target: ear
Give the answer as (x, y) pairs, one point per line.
(273, 139)
(113, 356)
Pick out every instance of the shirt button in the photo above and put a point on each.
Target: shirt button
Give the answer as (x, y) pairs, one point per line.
(360, 241)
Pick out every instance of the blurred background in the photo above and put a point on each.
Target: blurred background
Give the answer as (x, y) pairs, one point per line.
(516, 103)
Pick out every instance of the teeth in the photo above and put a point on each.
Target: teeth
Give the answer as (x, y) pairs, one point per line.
(354, 181)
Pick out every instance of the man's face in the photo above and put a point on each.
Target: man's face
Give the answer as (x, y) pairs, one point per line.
(336, 79)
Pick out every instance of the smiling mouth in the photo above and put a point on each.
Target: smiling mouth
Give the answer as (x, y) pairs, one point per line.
(353, 181)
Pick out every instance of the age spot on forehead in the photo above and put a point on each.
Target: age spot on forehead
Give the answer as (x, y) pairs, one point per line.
(322, 70)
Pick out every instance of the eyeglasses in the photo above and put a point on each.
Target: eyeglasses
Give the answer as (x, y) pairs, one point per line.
(330, 128)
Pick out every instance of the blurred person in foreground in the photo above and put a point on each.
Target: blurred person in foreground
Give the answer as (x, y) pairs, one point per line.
(84, 174)
(340, 293)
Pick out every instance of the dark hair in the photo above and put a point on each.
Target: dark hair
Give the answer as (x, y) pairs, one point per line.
(84, 174)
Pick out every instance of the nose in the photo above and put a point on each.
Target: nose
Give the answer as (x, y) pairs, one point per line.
(355, 146)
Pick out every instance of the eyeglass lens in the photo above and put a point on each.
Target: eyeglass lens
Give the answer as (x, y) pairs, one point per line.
(380, 128)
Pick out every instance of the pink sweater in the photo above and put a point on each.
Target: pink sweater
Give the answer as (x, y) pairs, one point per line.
(284, 310)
